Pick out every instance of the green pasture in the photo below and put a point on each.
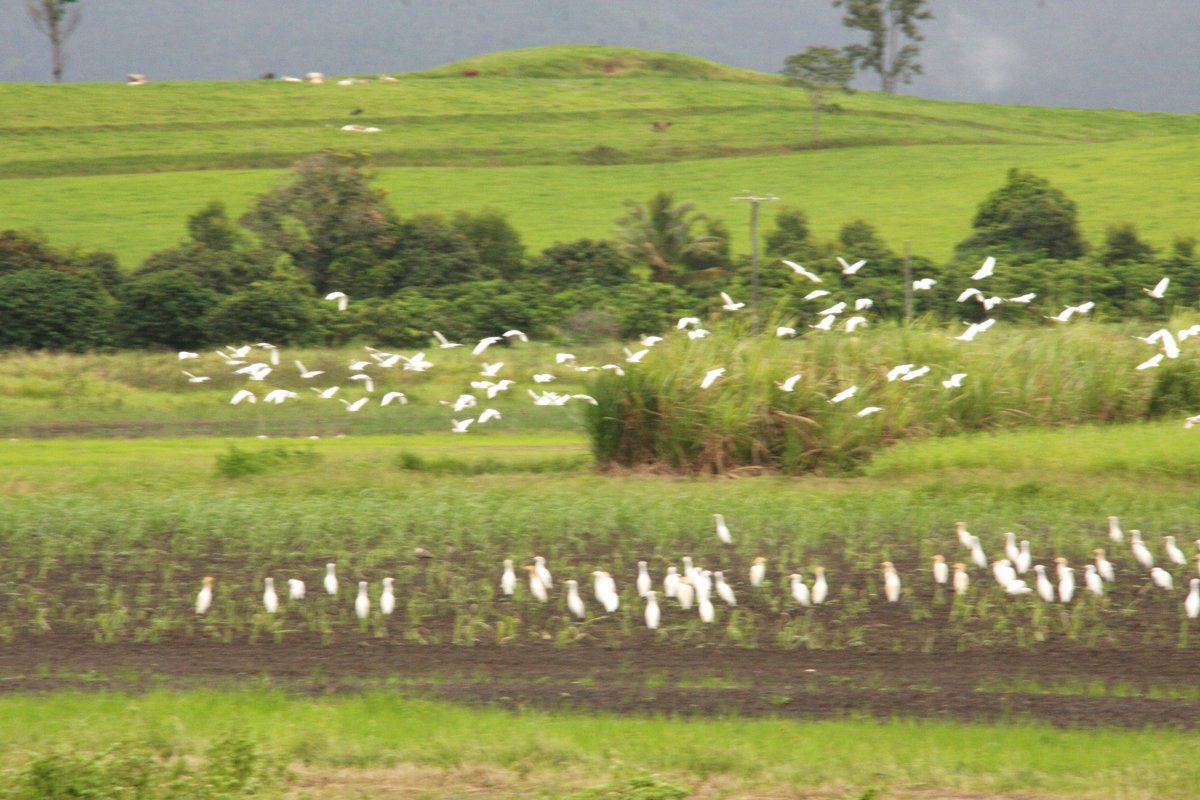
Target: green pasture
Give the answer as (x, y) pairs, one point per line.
(386, 746)
(118, 168)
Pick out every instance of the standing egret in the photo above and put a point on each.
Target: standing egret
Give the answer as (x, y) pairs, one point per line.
(387, 600)
(539, 564)
(205, 597)
(1093, 581)
(1045, 588)
(1017, 586)
(1140, 552)
(643, 579)
(652, 612)
(1104, 567)
(964, 536)
(508, 581)
(820, 589)
(800, 592)
(891, 582)
(574, 601)
(962, 581)
(1066, 584)
(331, 581)
(362, 603)
(1011, 551)
(1162, 579)
(1024, 558)
(1173, 552)
(685, 593)
(1004, 572)
(977, 554)
(670, 581)
(605, 589)
(941, 572)
(270, 599)
(1114, 530)
(705, 607)
(724, 591)
(536, 587)
(1192, 604)
(758, 571)
(296, 589)
(723, 529)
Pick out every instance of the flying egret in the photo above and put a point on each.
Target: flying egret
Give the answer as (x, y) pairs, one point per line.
(653, 614)
(539, 565)
(362, 603)
(843, 395)
(643, 582)
(296, 589)
(491, 370)
(356, 405)
(863, 303)
(851, 269)
(543, 377)
(969, 293)
(697, 333)
(955, 381)
(923, 284)
(1191, 605)
(898, 371)
(1093, 581)
(801, 271)
(820, 589)
(729, 304)
(574, 601)
(326, 394)
(962, 581)
(390, 396)
(635, 358)
(368, 382)
(854, 323)
(484, 344)
(508, 581)
(277, 396)
(195, 378)
(685, 322)
(816, 294)
(783, 330)
(825, 324)
(1191, 421)
(443, 342)
(536, 587)
(1045, 588)
(789, 384)
(985, 270)
(941, 572)
(724, 590)
(243, 394)
(836, 308)
(1028, 297)
(331, 581)
(488, 414)
(758, 571)
(800, 592)
(1159, 289)
(342, 299)
(184, 354)
(868, 411)
(515, 334)
(461, 425)
(912, 375)
(723, 530)
(205, 597)
(891, 582)
(650, 341)
(308, 373)
(387, 600)
(562, 358)
(989, 303)
(711, 376)
(1151, 362)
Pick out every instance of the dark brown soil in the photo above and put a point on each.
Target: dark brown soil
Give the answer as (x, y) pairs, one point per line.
(977, 686)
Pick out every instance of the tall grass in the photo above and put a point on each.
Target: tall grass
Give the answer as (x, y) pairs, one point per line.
(657, 414)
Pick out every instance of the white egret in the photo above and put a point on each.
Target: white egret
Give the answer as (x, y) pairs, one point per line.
(710, 377)
(515, 334)
(205, 597)
(723, 530)
(707, 612)
(820, 589)
(724, 590)
(562, 358)
(962, 581)
(729, 304)
(635, 358)
(851, 269)
(342, 299)
(1151, 362)
(868, 411)
(1191, 605)
(325, 394)
(508, 580)
(605, 589)
(1141, 553)
(184, 354)
(270, 598)
(1017, 586)
(650, 341)
(296, 589)
(277, 396)
(390, 396)
(1028, 297)
(898, 371)
(891, 582)
(460, 425)
(964, 536)
(789, 384)
(574, 601)
(1104, 567)
(1173, 552)
(491, 370)
(977, 554)
(844, 395)
(536, 587)
(916, 373)
(484, 344)
(686, 321)
(308, 373)
(801, 271)
(955, 381)
(985, 270)
(653, 614)
(243, 394)
(854, 323)
(698, 333)
(543, 377)
(643, 579)
(758, 571)
(488, 414)
(1114, 529)
(356, 405)
(833, 310)
(1162, 579)
(863, 303)
(362, 603)
(1066, 585)
(443, 342)
(387, 600)
(1093, 581)
(670, 581)
(1011, 551)
(800, 592)
(331, 581)
(941, 572)
(1003, 572)
(923, 284)
(784, 330)
(1045, 588)
(967, 294)
(825, 324)
(685, 593)
(539, 565)
(1024, 558)
(1159, 289)
(816, 294)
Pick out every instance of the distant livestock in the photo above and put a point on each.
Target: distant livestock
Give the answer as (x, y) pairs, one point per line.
(660, 125)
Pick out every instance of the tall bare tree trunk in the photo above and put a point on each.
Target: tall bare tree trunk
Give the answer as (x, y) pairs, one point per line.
(56, 22)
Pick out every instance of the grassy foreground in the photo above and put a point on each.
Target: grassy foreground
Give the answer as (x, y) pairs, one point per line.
(405, 748)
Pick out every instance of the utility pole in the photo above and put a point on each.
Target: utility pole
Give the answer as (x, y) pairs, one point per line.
(754, 200)
(908, 287)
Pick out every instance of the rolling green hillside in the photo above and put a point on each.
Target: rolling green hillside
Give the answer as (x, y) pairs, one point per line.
(559, 137)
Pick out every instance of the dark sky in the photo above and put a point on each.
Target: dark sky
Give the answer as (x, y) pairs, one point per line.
(1135, 54)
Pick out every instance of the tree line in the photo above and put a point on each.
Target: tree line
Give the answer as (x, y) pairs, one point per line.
(325, 227)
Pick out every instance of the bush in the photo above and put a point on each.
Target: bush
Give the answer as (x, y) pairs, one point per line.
(43, 309)
(238, 463)
(1028, 215)
(165, 308)
(568, 265)
(274, 311)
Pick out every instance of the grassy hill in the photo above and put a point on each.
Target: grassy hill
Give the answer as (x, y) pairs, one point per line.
(559, 137)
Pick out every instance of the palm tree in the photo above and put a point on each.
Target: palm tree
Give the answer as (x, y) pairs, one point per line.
(664, 234)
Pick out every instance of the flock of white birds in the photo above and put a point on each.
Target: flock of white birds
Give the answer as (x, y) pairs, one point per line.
(490, 384)
(695, 586)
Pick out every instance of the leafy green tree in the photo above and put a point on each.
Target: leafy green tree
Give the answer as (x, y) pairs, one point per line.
(20, 250)
(211, 227)
(222, 271)
(56, 20)
(327, 206)
(566, 265)
(1029, 217)
(664, 235)
(45, 309)
(276, 311)
(821, 71)
(886, 22)
(1123, 246)
(165, 309)
(425, 251)
(494, 239)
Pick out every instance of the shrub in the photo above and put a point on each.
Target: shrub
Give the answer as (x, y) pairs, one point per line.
(165, 308)
(238, 463)
(276, 311)
(43, 309)
(1028, 215)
